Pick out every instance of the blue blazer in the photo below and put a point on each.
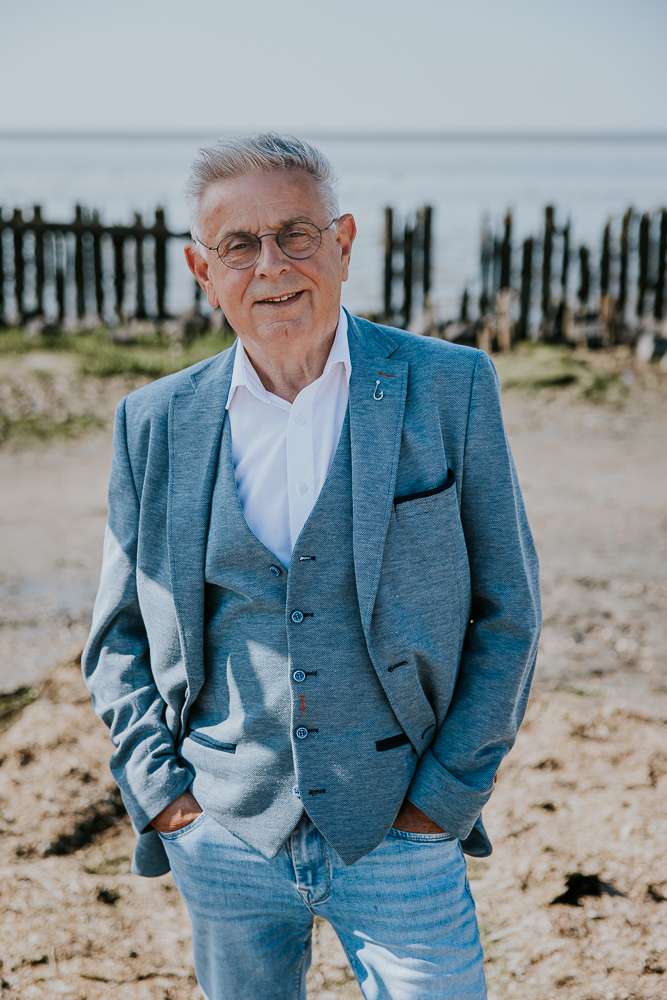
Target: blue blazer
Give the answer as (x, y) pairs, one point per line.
(450, 573)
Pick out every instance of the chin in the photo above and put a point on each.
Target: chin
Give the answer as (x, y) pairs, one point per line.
(292, 326)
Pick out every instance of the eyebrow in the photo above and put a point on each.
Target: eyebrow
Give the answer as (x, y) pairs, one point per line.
(281, 225)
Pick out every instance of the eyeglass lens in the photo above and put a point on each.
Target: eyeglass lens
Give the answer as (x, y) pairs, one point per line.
(297, 241)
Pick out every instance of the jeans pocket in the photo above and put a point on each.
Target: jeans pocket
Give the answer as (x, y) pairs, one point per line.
(420, 838)
(176, 834)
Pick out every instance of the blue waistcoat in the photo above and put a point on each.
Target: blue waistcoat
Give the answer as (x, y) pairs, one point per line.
(289, 687)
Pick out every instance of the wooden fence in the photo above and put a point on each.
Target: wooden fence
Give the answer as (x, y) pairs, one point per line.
(564, 293)
(407, 262)
(65, 273)
(83, 272)
(546, 288)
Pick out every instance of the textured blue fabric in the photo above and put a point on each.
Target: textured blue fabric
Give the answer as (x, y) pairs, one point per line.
(250, 703)
(447, 584)
(404, 914)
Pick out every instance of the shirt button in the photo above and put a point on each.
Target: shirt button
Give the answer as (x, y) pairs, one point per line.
(301, 733)
(275, 571)
(298, 676)
(300, 420)
(295, 791)
(297, 616)
(301, 487)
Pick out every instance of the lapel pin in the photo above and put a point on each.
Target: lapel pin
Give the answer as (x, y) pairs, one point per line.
(375, 392)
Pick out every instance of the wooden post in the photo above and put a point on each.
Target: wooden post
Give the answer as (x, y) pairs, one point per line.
(523, 327)
(408, 242)
(140, 311)
(659, 301)
(622, 299)
(584, 277)
(60, 259)
(159, 232)
(605, 259)
(605, 270)
(19, 263)
(563, 326)
(119, 272)
(486, 260)
(506, 254)
(465, 299)
(565, 265)
(98, 275)
(388, 260)
(546, 265)
(39, 258)
(644, 250)
(78, 263)
(426, 266)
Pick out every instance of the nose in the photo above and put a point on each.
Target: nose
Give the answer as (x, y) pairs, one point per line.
(271, 261)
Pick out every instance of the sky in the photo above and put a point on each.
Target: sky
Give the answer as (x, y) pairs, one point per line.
(345, 66)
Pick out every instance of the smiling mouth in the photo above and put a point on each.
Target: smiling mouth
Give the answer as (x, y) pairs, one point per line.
(279, 298)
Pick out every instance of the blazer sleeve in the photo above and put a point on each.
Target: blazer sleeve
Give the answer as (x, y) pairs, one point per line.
(455, 776)
(116, 661)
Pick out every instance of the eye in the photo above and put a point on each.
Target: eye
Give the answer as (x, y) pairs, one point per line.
(238, 243)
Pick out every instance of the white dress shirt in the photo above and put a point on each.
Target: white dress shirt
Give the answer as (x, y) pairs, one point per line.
(283, 451)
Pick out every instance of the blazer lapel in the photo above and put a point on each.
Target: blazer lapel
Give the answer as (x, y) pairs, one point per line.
(196, 418)
(376, 425)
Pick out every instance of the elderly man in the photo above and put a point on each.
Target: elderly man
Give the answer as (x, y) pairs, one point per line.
(319, 611)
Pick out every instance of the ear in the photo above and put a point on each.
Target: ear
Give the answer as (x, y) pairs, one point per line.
(199, 267)
(347, 230)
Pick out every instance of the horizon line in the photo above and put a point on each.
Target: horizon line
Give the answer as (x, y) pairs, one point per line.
(356, 136)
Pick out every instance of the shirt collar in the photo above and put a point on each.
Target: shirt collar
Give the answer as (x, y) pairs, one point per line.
(245, 375)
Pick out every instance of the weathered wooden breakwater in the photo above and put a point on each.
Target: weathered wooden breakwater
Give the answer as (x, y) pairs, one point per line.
(84, 273)
(66, 273)
(408, 251)
(546, 288)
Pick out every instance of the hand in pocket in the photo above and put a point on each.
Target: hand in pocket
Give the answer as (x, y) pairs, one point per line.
(179, 813)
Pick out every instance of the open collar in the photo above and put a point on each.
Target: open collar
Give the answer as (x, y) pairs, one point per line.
(244, 374)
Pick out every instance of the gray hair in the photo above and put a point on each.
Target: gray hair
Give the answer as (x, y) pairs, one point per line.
(234, 156)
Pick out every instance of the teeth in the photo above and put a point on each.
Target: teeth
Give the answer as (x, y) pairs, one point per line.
(282, 298)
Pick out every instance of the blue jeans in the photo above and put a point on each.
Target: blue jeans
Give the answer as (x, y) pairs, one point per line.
(404, 914)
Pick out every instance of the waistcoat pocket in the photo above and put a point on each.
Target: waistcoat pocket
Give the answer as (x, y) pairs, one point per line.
(391, 742)
(208, 741)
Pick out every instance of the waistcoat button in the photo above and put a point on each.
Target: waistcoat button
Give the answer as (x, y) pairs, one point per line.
(275, 571)
(298, 676)
(301, 733)
(295, 791)
(297, 616)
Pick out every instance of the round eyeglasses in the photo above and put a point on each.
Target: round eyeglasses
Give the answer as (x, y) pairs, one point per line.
(297, 240)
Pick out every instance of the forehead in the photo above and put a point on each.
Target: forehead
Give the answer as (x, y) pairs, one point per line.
(258, 201)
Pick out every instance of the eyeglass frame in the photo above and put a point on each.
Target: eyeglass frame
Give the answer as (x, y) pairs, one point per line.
(216, 249)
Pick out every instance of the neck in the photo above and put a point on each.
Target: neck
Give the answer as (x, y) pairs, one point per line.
(285, 368)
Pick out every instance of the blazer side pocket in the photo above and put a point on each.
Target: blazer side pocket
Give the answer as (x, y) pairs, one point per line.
(208, 741)
(449, 481)
(442, 498)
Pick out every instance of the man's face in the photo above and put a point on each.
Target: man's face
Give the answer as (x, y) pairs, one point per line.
(263, 204)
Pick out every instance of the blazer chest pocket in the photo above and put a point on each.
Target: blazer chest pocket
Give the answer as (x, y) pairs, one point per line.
(208, 741)
(426, 501)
